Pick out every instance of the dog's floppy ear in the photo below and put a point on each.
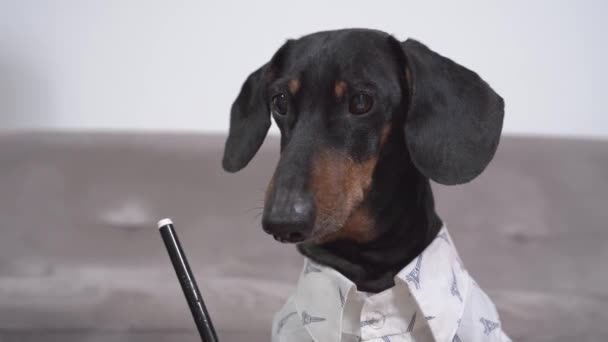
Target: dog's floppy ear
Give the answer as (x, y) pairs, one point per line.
(249, 122)
(454, 119)
(250, 115)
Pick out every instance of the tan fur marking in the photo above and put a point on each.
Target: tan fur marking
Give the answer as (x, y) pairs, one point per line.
(410, 81)
(340, 184)
(294, 86)
(385, 132)
(340, 88)
(358, 227)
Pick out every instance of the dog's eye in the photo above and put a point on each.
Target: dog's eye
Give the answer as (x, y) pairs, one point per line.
(360, 104)
(279, 102)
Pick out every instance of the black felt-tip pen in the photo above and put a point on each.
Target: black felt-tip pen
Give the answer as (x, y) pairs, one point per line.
(187, 281)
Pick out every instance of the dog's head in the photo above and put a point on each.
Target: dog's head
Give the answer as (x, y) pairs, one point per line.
(337, 97)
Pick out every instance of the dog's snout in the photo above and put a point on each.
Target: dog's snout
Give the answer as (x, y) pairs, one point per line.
(289, 219)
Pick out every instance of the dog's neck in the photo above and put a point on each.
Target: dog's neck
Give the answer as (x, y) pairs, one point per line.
(402, 204)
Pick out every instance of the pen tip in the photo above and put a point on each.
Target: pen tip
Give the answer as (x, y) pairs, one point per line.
(164, 222)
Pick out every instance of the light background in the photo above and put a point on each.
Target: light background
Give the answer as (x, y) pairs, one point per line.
(177, 65)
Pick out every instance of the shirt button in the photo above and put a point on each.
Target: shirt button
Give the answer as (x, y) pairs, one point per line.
(376, 319)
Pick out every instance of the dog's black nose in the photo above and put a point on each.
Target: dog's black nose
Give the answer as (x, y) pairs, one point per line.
(289, 221)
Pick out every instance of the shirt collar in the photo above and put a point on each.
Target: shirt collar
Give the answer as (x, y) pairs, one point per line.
(436, 280)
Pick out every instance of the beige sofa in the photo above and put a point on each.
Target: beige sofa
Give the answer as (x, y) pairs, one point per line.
(81, 260)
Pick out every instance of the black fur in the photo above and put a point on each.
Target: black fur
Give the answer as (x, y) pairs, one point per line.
(445, 127)
(454, 120)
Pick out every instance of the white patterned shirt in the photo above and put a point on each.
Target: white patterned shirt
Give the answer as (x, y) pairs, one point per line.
(434, 299)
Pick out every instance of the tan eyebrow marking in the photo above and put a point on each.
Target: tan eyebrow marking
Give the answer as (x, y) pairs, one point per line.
(294, 86)
(385, 132)
(340, 88)
(410, 82)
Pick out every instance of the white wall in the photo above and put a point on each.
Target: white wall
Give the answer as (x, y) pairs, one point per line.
(178, 64)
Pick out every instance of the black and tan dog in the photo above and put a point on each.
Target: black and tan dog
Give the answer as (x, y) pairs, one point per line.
(365, 122)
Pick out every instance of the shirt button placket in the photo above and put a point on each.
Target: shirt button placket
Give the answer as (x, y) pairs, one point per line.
(376, 319)
(373, 318)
